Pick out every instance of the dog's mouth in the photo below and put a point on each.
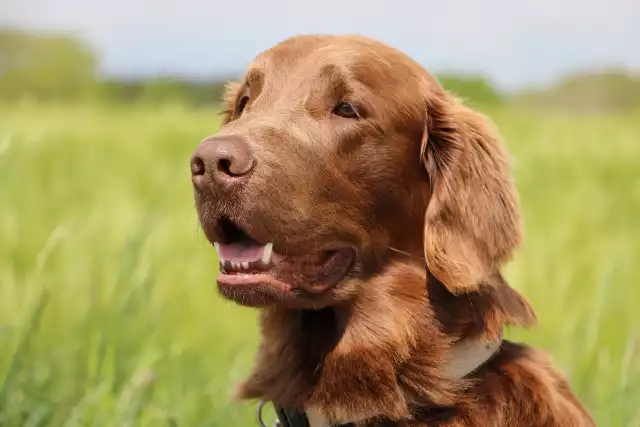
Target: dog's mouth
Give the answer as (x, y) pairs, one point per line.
(253, 273)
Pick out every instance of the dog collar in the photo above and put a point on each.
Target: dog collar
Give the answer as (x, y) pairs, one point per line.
(468, 355)
(465, 358)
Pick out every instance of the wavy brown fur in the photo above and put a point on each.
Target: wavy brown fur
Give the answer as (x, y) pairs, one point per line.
(421, 187)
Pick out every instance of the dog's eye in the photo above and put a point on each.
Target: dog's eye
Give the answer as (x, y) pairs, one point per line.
(242, 103)
(346, 110)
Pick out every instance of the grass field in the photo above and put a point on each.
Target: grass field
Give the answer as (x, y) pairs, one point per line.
(108, 309)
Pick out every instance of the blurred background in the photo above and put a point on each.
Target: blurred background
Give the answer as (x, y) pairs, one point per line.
(108, 309)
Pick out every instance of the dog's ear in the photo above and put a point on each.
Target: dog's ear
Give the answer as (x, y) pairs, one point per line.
(472, 223)
(230, 99)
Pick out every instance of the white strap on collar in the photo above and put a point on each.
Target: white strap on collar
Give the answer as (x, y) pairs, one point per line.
(468, 355)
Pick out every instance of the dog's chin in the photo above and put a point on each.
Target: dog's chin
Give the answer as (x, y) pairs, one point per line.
(299, 282)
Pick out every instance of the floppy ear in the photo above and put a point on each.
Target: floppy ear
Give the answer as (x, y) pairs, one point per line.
(472, 223)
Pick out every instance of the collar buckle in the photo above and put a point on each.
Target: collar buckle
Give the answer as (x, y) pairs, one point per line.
(261, 423)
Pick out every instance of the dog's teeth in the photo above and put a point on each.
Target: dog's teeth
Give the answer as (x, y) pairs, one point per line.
(266, 255)
(220, 257)
(245, 265)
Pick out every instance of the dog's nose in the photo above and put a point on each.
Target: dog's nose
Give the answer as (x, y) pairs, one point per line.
(224, 159)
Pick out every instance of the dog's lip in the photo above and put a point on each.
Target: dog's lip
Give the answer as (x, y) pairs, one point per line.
(267, 259)
(249, 279)
(291, 278)
(253, 290)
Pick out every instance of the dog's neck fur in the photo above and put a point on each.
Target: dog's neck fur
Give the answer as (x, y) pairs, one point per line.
(373, 357)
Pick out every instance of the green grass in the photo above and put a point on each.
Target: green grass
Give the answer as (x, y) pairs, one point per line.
(108, 309)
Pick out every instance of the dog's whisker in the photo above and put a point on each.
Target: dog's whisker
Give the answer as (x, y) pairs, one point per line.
(404, 253)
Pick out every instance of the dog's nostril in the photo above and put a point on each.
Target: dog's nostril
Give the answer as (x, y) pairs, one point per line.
(224, 166)
(197, 166)
(235, 166)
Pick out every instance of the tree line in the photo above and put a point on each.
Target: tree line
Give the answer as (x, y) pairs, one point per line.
(64, 68)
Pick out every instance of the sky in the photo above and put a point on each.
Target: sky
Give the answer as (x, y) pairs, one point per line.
(516, 43)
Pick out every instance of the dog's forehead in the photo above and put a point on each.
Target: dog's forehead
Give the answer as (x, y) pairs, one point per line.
(291, 51)
(353, 57)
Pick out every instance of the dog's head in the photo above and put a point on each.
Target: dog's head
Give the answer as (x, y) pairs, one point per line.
(338, 154)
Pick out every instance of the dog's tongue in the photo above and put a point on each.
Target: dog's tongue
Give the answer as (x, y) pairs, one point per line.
(241, 251)
(247, 252)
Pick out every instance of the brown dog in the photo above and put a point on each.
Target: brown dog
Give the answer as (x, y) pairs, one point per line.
(367, 212)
